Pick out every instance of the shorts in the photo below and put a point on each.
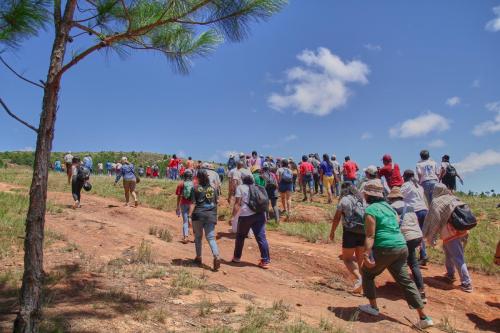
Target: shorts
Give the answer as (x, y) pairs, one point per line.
(328, 181)
(309, 181)
(129, 185)
(68, 168)
(285, 187)
(351, 240)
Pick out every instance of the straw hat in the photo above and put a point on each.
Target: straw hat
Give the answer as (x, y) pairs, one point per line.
(374, 188)
(371, 170)
(395, 193)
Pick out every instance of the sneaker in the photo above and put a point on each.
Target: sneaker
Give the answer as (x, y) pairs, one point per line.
(367, 308)
(449, 279)
(216, 263)
(358, 286)
(424, 323)
(264, 264)
(466, 287)
(236, 260)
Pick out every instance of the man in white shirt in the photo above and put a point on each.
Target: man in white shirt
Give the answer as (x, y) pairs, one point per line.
(68, 160)
(427, 174)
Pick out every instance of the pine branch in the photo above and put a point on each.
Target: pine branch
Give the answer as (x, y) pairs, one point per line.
(6, 108)
(19, 75)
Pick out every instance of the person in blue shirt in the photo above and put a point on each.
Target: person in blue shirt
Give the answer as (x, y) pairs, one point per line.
(129, 180)
(221, 172)
(109, 167)
(88, 163)
(57, 166)
(327, 177)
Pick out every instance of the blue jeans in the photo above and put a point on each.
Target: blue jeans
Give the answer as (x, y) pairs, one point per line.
(209, 228)
(428, 186)
(421, 218)
(257, 223)
(455, 259)
(413, 262)
(185, 220)
(173, 173)
(350, 181)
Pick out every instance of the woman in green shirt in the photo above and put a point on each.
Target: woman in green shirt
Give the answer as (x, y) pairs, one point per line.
(385, 241)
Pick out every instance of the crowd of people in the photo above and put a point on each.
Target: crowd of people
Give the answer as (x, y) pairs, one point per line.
(388, 217)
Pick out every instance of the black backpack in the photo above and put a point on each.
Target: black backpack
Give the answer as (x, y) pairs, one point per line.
(462, 218)
(271, 184)
(258, 201)
(83, 173)
(451, 172)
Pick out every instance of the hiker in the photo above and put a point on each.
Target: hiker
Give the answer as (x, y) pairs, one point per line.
(427, 174)
(149, 171)
(127, 171)
(140, 170)
(173, 167)
(203, 214)
(255, 160)
(57, 166)
(231, 162)
(257, 176)
(307, 180)
(79, 177)
(414, 197)
(371, 173)
(190, 163)
(391, 172)
(295, 170)
(437, 223)
(68, 160)
(212, 176)
(285, 186)
(183, 192)
(271, 186)
(249, 219)
(350, 169)
(326, 171)
(337, 175)
(100, 168)
(108, 168)
(156, 171)
(388, 246)
(221, 172)
(118, 169)
(314, 160)
(88, 163)
(408, 224)
(448, 174)
(351, 210)
(234, 177)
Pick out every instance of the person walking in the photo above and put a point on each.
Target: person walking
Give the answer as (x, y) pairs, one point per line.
(350, 169)
(203, 214)
(387, 245)
(88, 163)
(414, 197)
(100, 168)
(327, 177)
(408, 224)
(68, 160)
(350, 211)
(437, 223)
(231, 162)
(337, 175)
(306, 175)
(391, 172)
(247, 220)
(295, 170)
(285, 186)
(221, 172)
(79, 176)
(183, 192)
(271, 186)
(318, 185)
(427, 174)
(127, 171)
(448, 174)
(173, 167)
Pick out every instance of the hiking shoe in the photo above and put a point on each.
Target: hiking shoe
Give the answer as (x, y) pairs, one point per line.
(466, 287)
(236, 260)
(358, 287)
(449, 279)
(264, 264)
(424, 323)
(367, 308)
(216, 263)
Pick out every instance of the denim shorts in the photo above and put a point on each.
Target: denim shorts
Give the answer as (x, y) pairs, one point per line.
(309, 181)
(285, 187)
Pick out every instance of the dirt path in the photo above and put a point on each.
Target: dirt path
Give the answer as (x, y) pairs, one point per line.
(307, 276)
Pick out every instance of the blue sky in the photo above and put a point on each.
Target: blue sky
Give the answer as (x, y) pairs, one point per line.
(361, 78)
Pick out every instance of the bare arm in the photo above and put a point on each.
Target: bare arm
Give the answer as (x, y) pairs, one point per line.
(236, 207)
(370, 226)
(335, 223)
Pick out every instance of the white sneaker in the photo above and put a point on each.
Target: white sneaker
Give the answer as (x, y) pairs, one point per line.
(358, 286)
(367, 308)
(424, 323)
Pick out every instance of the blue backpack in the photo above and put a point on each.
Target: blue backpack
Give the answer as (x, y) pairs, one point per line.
(287, 176)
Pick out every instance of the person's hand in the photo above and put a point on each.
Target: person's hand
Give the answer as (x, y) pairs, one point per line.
(332, 236)
(368, 262)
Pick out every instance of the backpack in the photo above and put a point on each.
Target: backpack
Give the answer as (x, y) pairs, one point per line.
(187, 189)
(287, 176)
(462, 218)
(258, 201)
(82, 173)
(355, 223)
(271, 184)
(450, 171)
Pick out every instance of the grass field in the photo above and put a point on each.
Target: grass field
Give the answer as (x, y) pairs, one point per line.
(160, 194)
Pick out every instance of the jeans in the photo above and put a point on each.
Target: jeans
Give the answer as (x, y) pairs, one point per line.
(336, 187)
(257, 223)
(421, 218)
(455, 259)
(185, 220)
(350, 181)
(394, 259)
(76, 188)
(428, 186)
(275, 208)
(173, 173)
(294, 182)
(317, 183)
(209, 228)
(413, 262)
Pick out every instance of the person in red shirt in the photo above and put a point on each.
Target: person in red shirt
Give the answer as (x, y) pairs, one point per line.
(391, 172)
(306, 170)
(149, 171)
(350, 170)
(184, 202)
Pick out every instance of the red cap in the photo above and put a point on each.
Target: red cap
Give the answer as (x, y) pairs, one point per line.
(387, 158)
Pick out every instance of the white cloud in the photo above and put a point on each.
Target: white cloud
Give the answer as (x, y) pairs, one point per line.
(182, 154)
(453, 101)
(291, 137)
(494, 24)
(438, 143)
(320, 85)
(366, 136)
(490, 126)
(477, 161)
(476, 83)
(373, 47)
(222, 155)
(420, 126)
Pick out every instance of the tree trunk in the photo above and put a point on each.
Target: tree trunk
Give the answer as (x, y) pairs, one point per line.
(28, 318)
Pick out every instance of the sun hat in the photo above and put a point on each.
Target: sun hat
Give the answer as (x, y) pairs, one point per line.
(124, 159)
(371, 170)
(374, 188)
(395, 193)
(205, 165)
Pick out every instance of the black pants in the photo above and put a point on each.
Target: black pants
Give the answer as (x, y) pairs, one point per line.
(316, 183)
(76, 188)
